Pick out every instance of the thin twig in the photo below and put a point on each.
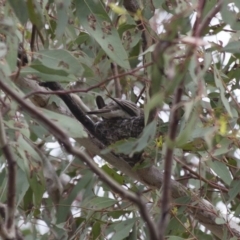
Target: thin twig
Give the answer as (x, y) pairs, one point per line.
(118, 88)
(172, 133)
(90, 88)
(11, 189)
(199, 177)
(33, 35)
(200, 8)
(205, 22)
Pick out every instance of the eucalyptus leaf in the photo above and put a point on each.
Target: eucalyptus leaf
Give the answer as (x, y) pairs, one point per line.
(20, 9)
(48, 75)
(60, 60)
(234, 190)
(220, 221)
(3, 49)
(175, 238)
(65, 204)
(232, 47)
(62, 16)
(229, 16)
(111, 172)
(95, 20)
(221, 170)
(22, 186)
(35, 13)
(71, 125)
(98, 203)
(219, 84)
(123, 228)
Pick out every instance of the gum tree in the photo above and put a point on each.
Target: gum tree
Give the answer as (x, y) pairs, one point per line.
(171, 172)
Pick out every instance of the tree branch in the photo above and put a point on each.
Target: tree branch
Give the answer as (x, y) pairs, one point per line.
(9, 226)
(166, 189)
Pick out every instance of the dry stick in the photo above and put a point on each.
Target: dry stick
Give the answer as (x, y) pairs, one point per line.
(33, 36)
(232, 96)
(3, 231)
(200, 7)
(63, 138)
(118, 88)
(11, 190)
(90, 88)
(187, 229)
(166, 189)
(140, 94)
(199, 177)
(204, 24)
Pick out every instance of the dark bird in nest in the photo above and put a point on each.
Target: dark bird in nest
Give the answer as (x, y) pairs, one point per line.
(118, 108)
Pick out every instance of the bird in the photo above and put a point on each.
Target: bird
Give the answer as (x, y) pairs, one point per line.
(118, 108)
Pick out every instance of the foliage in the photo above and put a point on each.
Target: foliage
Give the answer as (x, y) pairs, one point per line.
(82, 44)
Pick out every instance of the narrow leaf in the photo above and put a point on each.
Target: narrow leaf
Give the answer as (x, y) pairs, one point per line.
(95, 20)
(221, 170)
(219, 84)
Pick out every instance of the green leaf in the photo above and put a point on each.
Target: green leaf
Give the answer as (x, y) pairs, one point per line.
(71, 125)
(21, 127)
(96, 230)
(43, 69)
(22, 186)
(221, 170)
(155, 101)
(49, 76)
(223, 147)
(146, 137)
(233, 238)
(219, 84)
(229, 16)
(174, 238)
(21, 157)
(20, 9)
(220, 221)
(12, 46)
(7, 26)
(208, 6)
(232, 47)
(134, 233)
(237, 211)
(35, 13)
(122, 146)
(59, 60)
(98, 203)
(188, 125)
(118, 214)
(28, 201)
(158, 3)
(123, 228)
(3, 49)
(237, 3)
(95, 20)
(65, 204)
(174, 227)
(62, 16)
(3, 186)
(27, 150)
(111, 172)
(38, 190)
(234, 190)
